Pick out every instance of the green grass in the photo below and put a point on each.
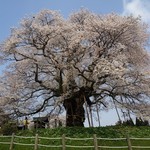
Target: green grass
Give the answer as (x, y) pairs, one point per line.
(103, 132)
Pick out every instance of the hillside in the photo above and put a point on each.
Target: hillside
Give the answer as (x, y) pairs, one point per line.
(104, 132)
(81, 133)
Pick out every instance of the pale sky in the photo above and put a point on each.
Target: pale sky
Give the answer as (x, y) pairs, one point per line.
(12, 11)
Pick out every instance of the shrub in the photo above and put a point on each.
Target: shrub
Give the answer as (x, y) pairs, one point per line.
(140, 122)
(128, 122)
(8, 128)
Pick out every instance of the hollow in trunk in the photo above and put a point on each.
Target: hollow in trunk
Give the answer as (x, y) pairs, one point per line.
(75, 114)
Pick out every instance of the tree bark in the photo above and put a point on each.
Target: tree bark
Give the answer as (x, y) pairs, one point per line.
(75, 114)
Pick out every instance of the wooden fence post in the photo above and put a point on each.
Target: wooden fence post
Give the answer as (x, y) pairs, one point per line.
(63, 142)
(36, 142)
(95, 142)
(12, 142)
(129, 143)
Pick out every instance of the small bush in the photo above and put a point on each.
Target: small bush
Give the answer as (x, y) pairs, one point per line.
(140, 122)
(8, 128)
(128, 122)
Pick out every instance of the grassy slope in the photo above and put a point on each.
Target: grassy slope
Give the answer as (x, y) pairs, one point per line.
(104, 132)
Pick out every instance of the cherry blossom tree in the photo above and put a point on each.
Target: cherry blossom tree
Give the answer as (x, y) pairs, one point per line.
(61, 64)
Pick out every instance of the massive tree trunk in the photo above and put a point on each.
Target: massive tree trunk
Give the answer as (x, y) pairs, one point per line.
(75, 114)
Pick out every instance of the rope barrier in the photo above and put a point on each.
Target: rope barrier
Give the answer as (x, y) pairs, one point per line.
(140, 138)
(23, 144)
(113, 147)
(42, 145)
(7, 143)
(5, 136)
(75, 146)
(112, 139)
(24, 137)
(64, 139)
(46, 138)
(144, 147)
(78, 139)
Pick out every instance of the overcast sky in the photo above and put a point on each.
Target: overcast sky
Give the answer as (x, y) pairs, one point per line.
(12, 11)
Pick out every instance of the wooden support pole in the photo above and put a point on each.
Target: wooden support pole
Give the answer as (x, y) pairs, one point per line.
(63, 142)
(36, 142)
(91, 116)
(86, 107)
(12, 142)
(117, 111)
(95, 142)
(97, 110)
